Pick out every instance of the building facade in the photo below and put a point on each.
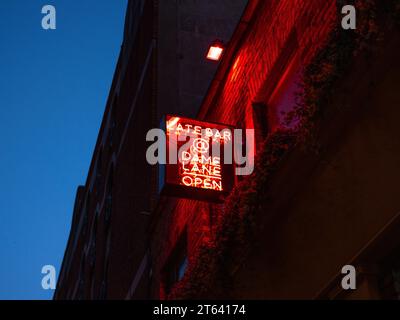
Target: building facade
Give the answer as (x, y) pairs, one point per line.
(323, 194)
(161, 68)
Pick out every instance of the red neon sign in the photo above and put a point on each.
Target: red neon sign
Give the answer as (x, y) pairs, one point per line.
(199, 170)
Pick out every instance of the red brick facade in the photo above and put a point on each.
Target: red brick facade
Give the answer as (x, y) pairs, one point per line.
(279, 37)
(318, 212)
(280, 33)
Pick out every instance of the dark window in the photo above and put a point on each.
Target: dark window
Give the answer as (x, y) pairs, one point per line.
(177, 264)
(80, 295)
(113, 139)
(182, 268)
(103, 291)
(81, 290)
(284, 99)
(92, 247)
(108, 199)
(390, 277)
(99, 176)
(104, 283)
(86, 215)
(282, 88)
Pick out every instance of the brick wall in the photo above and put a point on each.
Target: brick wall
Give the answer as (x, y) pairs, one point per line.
(280, 32)
(291, 28)
(176, 218)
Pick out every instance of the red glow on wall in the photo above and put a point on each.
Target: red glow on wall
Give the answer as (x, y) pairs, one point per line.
(198, 167)
(268, 44)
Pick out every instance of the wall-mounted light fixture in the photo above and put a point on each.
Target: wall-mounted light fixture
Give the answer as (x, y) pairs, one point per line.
(215, 51)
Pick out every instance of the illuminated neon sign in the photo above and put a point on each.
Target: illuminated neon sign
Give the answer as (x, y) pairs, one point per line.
(195, 159)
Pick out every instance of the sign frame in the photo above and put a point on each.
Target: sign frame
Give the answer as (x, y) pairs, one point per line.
(169, 173)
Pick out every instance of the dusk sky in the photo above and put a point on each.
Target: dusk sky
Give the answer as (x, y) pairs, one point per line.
(53, 89)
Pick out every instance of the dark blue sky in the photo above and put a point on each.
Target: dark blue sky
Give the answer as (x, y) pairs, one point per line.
(53, 90)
